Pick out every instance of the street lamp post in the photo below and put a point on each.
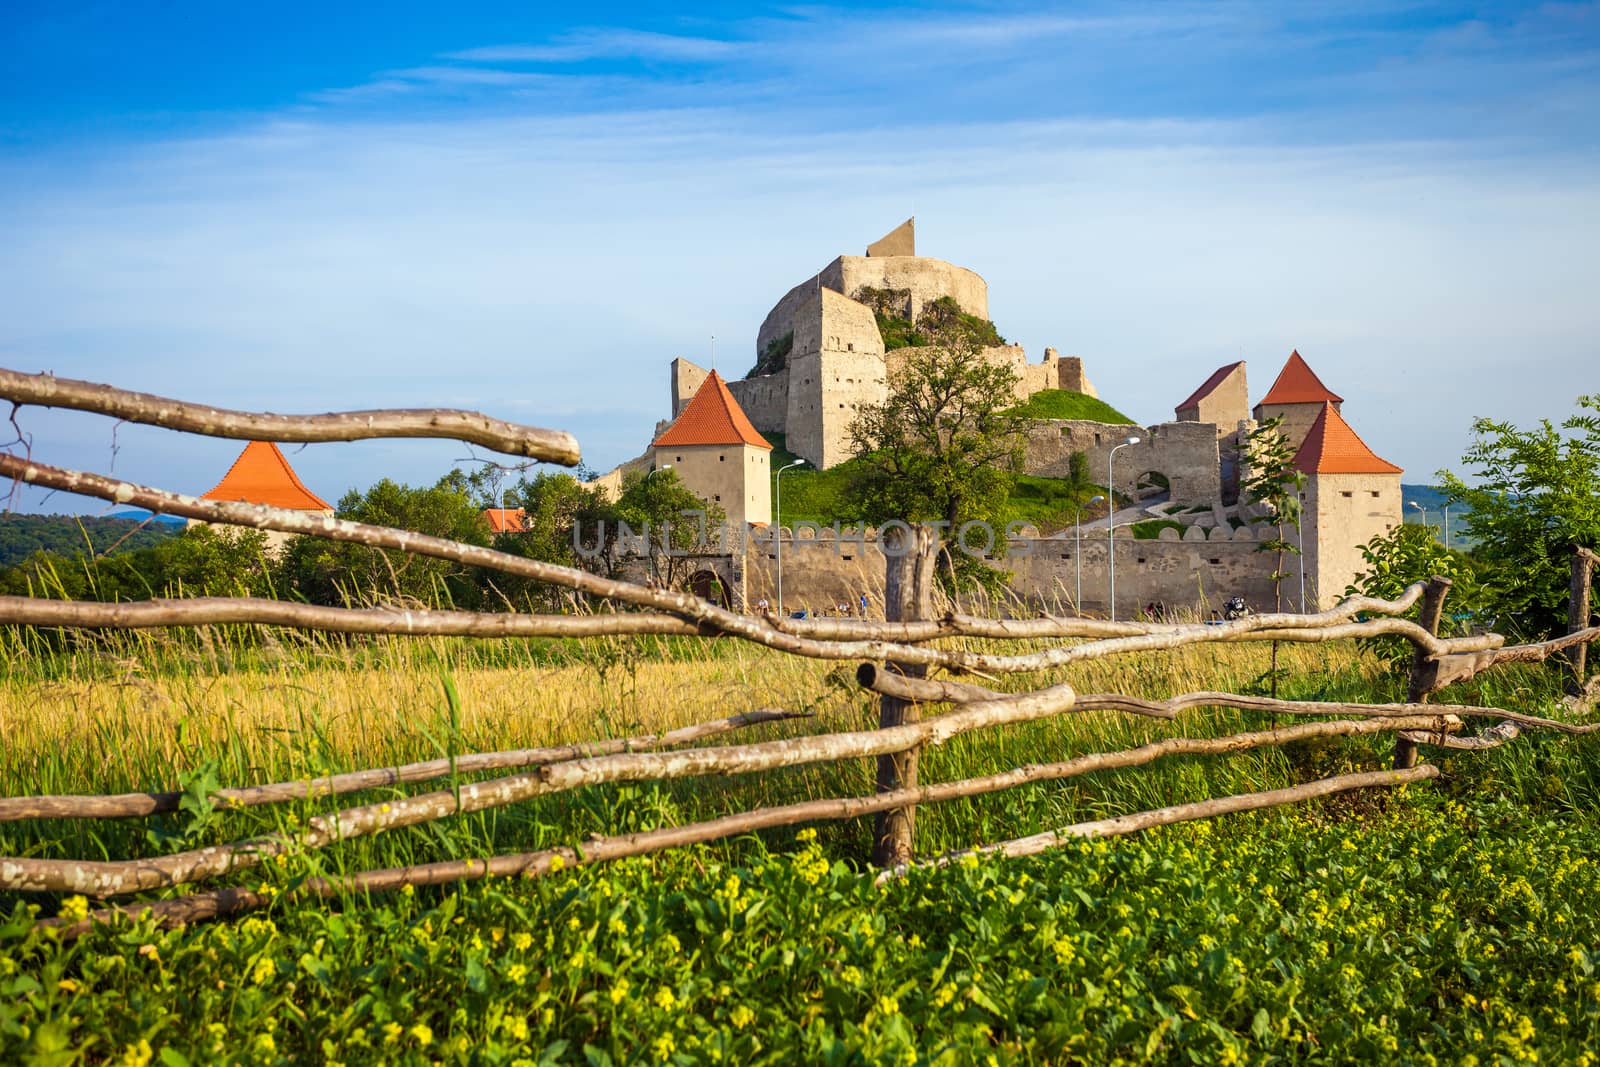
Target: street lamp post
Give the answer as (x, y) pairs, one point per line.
(1111, 530)
(777, 531)
(1447, 525)
(1422, 509)
(1077, 552)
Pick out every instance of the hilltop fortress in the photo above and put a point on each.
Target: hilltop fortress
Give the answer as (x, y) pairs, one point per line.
(834, 342)
(820, 354)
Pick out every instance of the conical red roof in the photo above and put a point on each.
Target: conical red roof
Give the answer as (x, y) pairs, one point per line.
(713, 417)
(1298, 384)
(261, 475)
(1332, 447)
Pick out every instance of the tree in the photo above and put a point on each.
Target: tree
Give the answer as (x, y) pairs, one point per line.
(661, 504)
(945, 444)
(560, 513)
(200, 561)
(1409, 554)
(1536, 494)
(1274, 483)
(336, 572)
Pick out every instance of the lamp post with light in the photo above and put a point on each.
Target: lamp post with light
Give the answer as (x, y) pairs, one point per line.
(1077, 553)
(777, 531)
(1422, 509)
(1111, 530)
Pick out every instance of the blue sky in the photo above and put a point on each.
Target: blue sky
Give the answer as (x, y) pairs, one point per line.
(530, 211)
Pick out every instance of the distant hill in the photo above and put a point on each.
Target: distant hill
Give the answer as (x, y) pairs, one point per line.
(23, 535)
(1432, 498)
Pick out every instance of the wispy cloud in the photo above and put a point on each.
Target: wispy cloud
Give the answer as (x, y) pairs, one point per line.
(589, 44)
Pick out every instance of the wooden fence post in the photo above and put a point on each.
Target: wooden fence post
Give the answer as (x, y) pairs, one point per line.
(1583, 561)
(910, 554)
(1432, 611)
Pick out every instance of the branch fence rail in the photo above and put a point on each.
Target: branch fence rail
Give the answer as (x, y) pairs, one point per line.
(895, 657)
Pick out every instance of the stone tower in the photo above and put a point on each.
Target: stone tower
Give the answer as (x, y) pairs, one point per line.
(719, 456)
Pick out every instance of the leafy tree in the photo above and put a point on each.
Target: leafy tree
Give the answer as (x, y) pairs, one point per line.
(1536, 494)
(66, 535)
(657, 502)
(1274, 483)
(559, 512)
(1410, 554)
(945, 444)
(200, 561)
(334, 572)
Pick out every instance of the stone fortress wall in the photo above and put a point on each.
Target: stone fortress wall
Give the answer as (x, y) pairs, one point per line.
(1193, 572)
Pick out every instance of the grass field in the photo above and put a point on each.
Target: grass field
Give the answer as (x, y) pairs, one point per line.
(1454, 920)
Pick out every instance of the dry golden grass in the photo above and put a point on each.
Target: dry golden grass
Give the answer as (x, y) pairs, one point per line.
(138, 714)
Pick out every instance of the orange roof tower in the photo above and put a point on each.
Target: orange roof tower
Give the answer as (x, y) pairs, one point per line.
(713, 417)
(1298, 384)
(261, 475)
(1332, 447)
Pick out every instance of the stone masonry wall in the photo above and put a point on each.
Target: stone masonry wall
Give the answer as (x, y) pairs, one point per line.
(1225, 406)
(925, 279)
(1297, 419)
(765, 400)
(1342, 512)
(686, 380)
(1194, 573)
(837, 366)
(1185, 452)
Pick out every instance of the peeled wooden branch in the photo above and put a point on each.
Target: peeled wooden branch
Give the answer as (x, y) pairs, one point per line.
(1493, 737)
(46, 390)
(1204, 809)
(600, 849)
(939, 691)
(409, 622)
(109, 878)
(127, 805)
(1442, 671)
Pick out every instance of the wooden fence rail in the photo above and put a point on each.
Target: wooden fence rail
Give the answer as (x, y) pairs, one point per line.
(895, 658)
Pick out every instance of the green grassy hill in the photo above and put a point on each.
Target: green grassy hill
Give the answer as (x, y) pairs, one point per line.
(1065, 404)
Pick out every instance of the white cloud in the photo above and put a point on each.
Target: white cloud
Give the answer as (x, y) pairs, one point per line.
(607, 44)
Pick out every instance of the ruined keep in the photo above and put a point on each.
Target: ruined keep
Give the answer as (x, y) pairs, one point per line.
(820, 356)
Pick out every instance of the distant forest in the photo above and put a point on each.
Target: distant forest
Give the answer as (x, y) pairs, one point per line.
(69, 535)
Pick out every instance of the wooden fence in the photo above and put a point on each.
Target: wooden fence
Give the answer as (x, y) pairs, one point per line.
(896, 659)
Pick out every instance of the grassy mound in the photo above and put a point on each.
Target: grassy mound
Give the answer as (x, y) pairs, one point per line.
(1066, 404)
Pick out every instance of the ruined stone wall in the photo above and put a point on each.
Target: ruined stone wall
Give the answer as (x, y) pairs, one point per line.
(1186, 453)
(764, 400)
(923, 278)
(837, 367)
(685, 379)
(1054, 372)
(611, 480)
(1342, 512)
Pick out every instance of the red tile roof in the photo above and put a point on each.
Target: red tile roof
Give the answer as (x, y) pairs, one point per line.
(261, 475)
(1298, 384)
(713, 417)
(1332, 447)
(505, 520)
(1210, 383)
